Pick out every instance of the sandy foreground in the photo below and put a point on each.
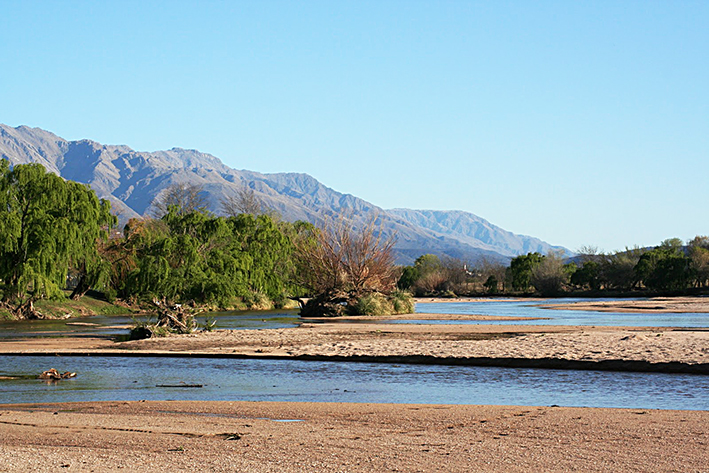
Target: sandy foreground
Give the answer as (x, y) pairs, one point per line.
(323, 437)
(243, 436)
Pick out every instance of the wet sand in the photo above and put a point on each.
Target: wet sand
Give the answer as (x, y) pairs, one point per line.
(324, 437)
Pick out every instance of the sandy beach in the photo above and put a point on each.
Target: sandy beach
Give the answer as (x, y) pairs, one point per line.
(243, 436)
(322, 437)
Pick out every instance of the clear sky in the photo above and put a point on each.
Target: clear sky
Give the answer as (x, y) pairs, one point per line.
(575, 122)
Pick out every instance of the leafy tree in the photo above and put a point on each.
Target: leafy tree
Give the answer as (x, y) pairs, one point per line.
(698, 249)
(664, 267)
(520, 270)
(587, 275)
(491, 284)
(409, 276)
(207, 259)
(47, 225)
(618, 269)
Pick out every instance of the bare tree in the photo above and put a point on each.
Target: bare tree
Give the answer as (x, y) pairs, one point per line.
(339, 265)
(186, 197)
(244, 201)
(549, 276)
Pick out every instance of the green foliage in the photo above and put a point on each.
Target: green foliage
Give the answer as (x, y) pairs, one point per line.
(520, 270)
(409, 276)
(208, 259)
(665, 267)
(402, 302)
(588, 276)
(491, 284)
(47, 226)
(209, 324)
(376, 304)
(372, 304)
(257, 301)
(430, 275)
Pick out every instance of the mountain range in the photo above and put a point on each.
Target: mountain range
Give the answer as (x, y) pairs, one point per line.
(131, 180)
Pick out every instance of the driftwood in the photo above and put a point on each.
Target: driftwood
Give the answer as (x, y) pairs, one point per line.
(27, 311)
(181, 385)
(54, 375)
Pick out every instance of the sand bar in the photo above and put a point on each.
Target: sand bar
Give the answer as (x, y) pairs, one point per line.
(678, 305)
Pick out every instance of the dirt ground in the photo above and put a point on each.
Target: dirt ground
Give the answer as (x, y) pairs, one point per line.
(323, 437)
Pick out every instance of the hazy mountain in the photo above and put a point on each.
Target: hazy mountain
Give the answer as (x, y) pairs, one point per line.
(131, 180)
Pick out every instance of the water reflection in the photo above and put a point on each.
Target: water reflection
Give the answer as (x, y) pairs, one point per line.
(116, 326)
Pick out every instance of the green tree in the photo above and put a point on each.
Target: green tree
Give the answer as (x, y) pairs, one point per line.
(208, 259)
(665, 267)
(520, 270)
(47, 226)
(618, 269)
(587, 275)
(698, 249)
(491, 284)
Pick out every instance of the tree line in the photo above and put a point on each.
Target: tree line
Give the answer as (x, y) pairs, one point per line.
(670, 267)
(53, 231)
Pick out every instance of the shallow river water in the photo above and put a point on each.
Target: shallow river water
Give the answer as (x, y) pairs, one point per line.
(511, 308)
(244, 320)
(136, 378)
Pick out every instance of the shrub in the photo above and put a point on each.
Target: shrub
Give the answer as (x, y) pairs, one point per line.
(371, 304)
(210, 323)
(402, 302)
(280, 301)
(257, 301)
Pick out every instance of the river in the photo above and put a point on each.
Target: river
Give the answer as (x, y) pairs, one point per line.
(137, 378)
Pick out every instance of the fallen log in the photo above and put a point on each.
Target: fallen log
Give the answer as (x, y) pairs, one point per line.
(55, 375)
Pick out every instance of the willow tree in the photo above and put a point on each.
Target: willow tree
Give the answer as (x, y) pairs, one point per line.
(47, 225)
(203, 258)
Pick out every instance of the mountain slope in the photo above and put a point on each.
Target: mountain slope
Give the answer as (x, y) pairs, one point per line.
(131, 180)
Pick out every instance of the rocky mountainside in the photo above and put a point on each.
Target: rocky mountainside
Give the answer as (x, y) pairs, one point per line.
(131, 180)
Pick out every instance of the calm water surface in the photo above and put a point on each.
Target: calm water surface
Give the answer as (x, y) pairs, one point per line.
(108, 326)
(554, 317)
(122, 378)
(115, 326)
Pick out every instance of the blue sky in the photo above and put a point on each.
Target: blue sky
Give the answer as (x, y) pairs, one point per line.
(576, 122)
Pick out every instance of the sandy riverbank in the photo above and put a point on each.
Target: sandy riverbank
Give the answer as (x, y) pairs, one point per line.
(632, 348)
(252, 437)
(652, 305)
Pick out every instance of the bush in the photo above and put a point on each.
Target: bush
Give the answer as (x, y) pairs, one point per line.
(402, 302)
(257, 301)
(280, 301)
(371, 304)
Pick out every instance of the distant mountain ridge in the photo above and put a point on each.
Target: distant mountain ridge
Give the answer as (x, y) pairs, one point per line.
(132, 179)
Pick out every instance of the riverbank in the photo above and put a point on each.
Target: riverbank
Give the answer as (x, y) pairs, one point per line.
(662, 349)
(540, 346)
(320, 437)
(667, 305)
